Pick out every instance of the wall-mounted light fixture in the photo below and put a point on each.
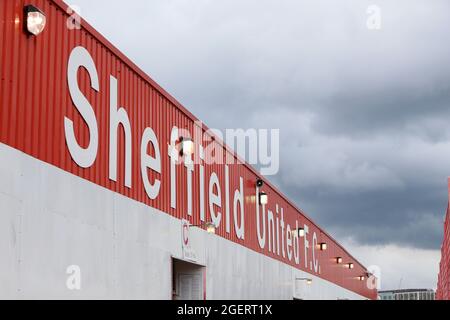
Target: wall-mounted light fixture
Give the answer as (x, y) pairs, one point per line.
(307, 280)
(361, 278)
(35, 20)
(300, 232)
(209, 226)
(187, 146)
(350, 265)
(263, 198)
(338, 260)
(323, 246)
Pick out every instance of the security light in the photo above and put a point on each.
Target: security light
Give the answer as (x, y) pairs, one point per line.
(307, 280)
(263, 198)
(299, 232)
(361, 278)
(187, 146)
(350, 265)
(323, 246)
(209, 226)
(35, 20)
(338, 260)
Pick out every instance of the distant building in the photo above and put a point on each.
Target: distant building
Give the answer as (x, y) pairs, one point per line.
(407, 294)
(443, 286)
(386, 295)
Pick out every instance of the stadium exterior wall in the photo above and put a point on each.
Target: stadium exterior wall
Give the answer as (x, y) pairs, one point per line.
(68, 99)
(443, 285)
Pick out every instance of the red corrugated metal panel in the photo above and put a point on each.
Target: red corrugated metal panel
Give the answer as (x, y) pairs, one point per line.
(443, 286)
(35, 99)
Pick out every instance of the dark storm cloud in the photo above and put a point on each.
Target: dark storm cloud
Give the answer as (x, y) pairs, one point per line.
(365, 140)
(377, 217)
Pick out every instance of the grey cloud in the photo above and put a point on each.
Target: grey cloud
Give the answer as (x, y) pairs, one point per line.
(399, 267)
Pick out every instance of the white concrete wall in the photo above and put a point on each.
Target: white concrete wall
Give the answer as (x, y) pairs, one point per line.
(50, 219)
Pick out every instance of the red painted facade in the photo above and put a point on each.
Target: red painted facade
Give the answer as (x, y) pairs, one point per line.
(34, 101)
(443, 286)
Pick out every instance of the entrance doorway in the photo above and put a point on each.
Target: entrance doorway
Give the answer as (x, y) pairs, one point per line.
(187, 280)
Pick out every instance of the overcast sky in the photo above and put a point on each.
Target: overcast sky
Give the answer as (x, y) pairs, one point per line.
(363, 114)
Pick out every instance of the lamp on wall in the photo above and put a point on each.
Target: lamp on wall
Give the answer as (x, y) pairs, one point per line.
(300, 232)
(323, 246)
(35, 20)
(338, 260)
(187, 146)
(307, 280)
(350, 265)
(263, 198)
(209, 226)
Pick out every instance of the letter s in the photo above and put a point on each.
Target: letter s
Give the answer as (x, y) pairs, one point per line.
(85, 158)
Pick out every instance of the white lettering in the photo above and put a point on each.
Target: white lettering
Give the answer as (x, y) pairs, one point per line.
(173, 154)
(84, 157)
(239, 198)
(215, 199)
(153, 163)
(116, 117)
